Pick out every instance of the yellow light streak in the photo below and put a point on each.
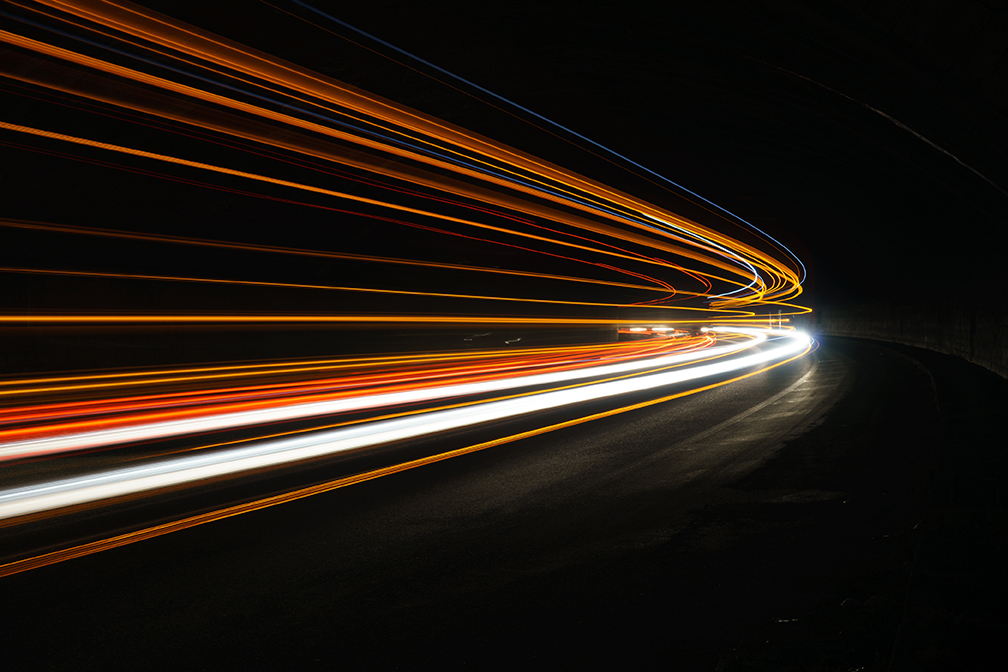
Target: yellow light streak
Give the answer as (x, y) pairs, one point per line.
(249, 247)
(759, 260)
(207, 373)
(291, 285)
(549, 206)
(82, 550)
(342, 195)
(343, 319)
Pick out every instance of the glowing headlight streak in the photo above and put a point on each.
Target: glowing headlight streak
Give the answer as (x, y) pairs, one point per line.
(348, 381)
(74, 491)
(64, 442)
(144, 534)
(61, 385)
(416, 143)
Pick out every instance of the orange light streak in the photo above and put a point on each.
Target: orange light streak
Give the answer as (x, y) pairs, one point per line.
(220, 401)
(248, 247)
(82, 550)
(440, 184)
(526, 205)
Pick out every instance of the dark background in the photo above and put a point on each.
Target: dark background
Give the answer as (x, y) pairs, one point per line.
(785, 113)
(868, 136)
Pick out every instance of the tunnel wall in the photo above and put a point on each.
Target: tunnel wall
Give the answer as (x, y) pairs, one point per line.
(976, 332)
(965, 41)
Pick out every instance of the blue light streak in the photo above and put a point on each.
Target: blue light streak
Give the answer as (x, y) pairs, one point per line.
(554, 124)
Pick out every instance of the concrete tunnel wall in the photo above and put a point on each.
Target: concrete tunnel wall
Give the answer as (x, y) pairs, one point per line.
(964, 44)
(976, 332)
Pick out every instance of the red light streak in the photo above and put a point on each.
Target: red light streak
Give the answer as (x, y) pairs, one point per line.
(325, 144)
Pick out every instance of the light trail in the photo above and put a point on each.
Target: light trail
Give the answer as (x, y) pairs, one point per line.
(148, 426)
(144, 534)
(723, 315)
(554, 124)
(116, 483)
(291, 285)
(402, 363)
(222, 53)
(177, 240)
(702, 258)
(450, 231)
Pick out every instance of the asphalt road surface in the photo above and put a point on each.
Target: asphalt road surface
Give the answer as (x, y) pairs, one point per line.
(769, 524)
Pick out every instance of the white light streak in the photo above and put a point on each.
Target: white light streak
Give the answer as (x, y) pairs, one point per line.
(167, 428)
(269, 453)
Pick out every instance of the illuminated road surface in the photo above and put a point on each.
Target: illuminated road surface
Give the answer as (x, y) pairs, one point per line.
(612, 380)
(350, 173)
(583, 535)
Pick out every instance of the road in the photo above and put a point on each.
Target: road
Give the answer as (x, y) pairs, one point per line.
(397, 413)
(674, 534)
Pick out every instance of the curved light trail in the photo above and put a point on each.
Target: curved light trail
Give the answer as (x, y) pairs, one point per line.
(758, 276)
(412, 387)
(271, 453)
(393, 219)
